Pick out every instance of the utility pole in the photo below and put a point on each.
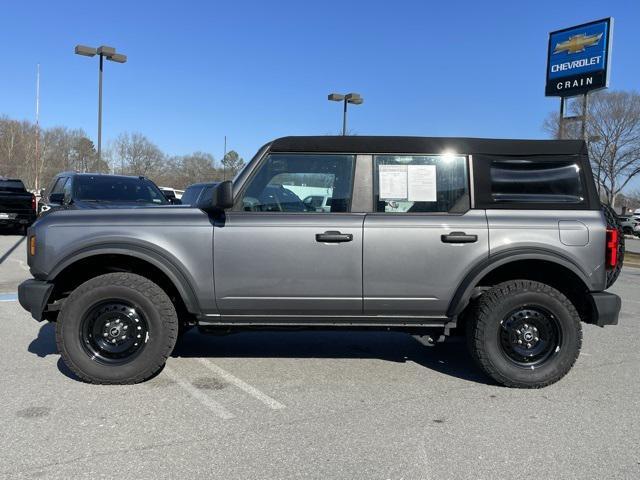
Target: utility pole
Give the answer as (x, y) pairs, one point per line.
(37, 159)
(224, 157)
(100, 110)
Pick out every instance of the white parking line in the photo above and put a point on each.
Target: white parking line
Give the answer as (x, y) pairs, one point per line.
(211, 404)
(254, 392)
(8, 297)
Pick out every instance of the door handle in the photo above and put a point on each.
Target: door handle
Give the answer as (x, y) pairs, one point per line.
(333, 237)
(458, 237)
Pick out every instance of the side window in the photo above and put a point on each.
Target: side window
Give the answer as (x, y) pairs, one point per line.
(535, 181)
(421, 184)
(58, 187)
(284, 180)
(67, 190)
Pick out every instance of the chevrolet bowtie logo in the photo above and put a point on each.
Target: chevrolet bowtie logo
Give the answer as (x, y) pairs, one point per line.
(577, 43)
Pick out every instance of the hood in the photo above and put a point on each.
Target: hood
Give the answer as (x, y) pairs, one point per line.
(80, 204)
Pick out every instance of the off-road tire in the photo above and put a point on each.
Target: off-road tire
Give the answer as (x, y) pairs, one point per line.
(484, 326)
(612, 222)
(154, 305)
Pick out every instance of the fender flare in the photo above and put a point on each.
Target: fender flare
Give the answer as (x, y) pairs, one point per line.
(465, 289)
(162, 260)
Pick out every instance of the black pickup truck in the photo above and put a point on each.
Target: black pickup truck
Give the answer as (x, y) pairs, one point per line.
(17, 205)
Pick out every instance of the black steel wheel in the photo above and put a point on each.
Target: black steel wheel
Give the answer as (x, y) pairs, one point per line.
(117, 328)
(114, 332)
(529, 336)
(524, 334)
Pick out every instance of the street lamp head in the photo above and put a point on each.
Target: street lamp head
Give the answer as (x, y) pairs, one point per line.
(352, 96)
(118, 57)
(84, 50)
(356, 101)
(106, 51)
(335, 97)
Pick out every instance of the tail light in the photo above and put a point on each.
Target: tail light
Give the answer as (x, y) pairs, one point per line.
(612, 247)
(33, 202)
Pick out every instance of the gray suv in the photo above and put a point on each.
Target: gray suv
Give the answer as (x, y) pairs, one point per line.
(503, 241)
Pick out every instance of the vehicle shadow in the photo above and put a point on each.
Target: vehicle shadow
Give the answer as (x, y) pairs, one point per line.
(45, 344)
(450, 358)
(8, 253)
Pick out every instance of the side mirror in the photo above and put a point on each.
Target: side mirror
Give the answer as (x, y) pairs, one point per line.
(221, 198)
(56, 198)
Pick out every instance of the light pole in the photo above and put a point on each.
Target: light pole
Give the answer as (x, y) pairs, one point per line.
(110, 54)
(354, 98)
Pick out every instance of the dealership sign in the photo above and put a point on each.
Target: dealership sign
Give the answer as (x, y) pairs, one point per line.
(578, 59)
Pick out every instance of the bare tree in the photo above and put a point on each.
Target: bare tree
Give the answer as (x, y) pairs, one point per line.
(136, 155)
(61, 148)
(613, 134)
(193, 168)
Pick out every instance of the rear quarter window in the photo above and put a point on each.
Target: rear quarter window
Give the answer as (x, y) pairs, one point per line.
(530, 183)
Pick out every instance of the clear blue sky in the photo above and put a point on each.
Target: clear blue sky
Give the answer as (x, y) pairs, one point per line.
(258, 70)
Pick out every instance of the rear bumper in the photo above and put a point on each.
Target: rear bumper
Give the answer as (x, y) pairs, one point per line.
(606, 308)
(33, 295)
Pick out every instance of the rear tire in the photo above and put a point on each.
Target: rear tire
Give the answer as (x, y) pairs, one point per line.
(524, 334)
(117, 328)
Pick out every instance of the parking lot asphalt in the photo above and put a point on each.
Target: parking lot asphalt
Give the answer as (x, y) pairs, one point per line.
(316, 405)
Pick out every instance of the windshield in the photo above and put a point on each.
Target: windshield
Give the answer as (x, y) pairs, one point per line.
(117, 189)
(12, 185)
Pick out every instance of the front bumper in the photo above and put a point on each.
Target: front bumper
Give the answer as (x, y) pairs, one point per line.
(605, 308)
(33, 295)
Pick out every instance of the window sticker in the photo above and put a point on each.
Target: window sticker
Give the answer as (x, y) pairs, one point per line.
(392, 182)
(421, 183)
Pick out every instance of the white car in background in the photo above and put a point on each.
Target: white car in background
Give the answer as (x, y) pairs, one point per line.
(177, 193)
(174, 196)
(318, 203)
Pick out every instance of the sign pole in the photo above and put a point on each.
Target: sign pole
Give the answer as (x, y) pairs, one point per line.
(585, 110)
(561, 122)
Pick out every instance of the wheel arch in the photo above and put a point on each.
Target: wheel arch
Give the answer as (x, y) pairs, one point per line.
(156, 266)
(530, 264)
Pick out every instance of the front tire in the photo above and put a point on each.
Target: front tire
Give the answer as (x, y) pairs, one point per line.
(117, 328)
(525, 334)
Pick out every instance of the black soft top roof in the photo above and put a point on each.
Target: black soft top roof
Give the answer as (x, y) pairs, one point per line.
(427, 145)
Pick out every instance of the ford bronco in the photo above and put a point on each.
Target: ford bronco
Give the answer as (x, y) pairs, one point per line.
(504, 241)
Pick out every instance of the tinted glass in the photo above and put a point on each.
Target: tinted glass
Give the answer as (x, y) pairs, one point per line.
(67, 190)
(12, 185)
(190, 195)
(421, 183)
(59, 185)
(535, 181)
(283, 180)
(194, 193)
(117, 190)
